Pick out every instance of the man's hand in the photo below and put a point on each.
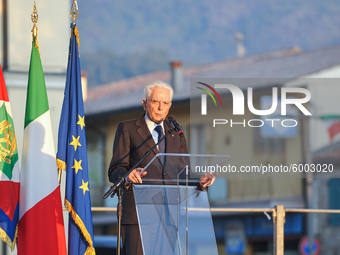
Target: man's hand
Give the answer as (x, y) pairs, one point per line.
(135, 177)
(207, 179)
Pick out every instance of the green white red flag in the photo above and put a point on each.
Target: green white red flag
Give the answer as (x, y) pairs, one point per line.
(41, 226)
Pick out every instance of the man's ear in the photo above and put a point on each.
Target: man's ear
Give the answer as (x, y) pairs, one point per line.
(144, 104)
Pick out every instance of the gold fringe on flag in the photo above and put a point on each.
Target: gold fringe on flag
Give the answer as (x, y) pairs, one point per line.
(6, 239)
(90, 249)
(36, 44)
(61, 164)
(76, 33)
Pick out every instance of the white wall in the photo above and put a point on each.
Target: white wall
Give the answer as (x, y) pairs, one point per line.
(53, 33)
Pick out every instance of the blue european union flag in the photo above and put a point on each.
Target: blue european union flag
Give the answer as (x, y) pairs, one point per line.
(72, 156)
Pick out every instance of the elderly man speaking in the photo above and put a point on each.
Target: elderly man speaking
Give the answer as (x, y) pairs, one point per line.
(132, 140)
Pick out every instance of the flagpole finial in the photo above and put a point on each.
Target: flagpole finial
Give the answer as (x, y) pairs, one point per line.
(74, 12)
(34, 18)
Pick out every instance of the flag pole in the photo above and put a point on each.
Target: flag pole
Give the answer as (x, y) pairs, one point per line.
(34, 17)
(74, 13)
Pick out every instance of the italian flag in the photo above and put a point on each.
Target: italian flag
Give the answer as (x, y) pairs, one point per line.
(332, 123)
(41, 225)
(9, 171)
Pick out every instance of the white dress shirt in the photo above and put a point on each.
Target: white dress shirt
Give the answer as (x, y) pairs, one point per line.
(151, 125)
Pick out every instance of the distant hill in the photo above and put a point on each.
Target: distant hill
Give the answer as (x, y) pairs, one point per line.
(125, 38)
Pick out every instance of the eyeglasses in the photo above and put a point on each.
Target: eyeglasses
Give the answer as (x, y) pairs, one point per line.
(156, 102)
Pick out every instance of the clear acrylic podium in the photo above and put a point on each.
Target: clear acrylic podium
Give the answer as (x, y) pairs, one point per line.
(173, 213)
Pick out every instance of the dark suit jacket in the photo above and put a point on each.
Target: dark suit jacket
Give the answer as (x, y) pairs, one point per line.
(132, 141)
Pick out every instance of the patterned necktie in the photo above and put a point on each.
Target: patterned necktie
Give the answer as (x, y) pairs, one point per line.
(161, 145)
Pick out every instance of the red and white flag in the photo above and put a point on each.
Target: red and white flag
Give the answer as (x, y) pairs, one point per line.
(332, 123)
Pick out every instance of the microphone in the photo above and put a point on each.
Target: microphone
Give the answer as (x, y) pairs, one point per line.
(175, 125)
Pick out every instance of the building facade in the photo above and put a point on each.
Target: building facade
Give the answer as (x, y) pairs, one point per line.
(108, 105)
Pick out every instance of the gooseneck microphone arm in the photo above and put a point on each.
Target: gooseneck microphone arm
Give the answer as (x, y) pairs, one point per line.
(113, 189)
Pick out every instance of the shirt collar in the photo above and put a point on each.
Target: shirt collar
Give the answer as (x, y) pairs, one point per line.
(151, 125)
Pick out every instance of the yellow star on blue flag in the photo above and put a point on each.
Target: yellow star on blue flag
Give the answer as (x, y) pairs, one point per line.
(84, 186)
(75, 142)
(77, 165)
(81, 121)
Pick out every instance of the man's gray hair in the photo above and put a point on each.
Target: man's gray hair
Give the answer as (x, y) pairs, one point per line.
(157, 84)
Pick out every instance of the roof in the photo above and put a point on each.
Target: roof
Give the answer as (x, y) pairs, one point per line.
(127, 95)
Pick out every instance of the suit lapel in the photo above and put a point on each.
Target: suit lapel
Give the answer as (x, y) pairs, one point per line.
(144, 132)
(169, 138)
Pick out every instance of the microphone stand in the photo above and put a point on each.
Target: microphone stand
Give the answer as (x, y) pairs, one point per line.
(117, 187)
